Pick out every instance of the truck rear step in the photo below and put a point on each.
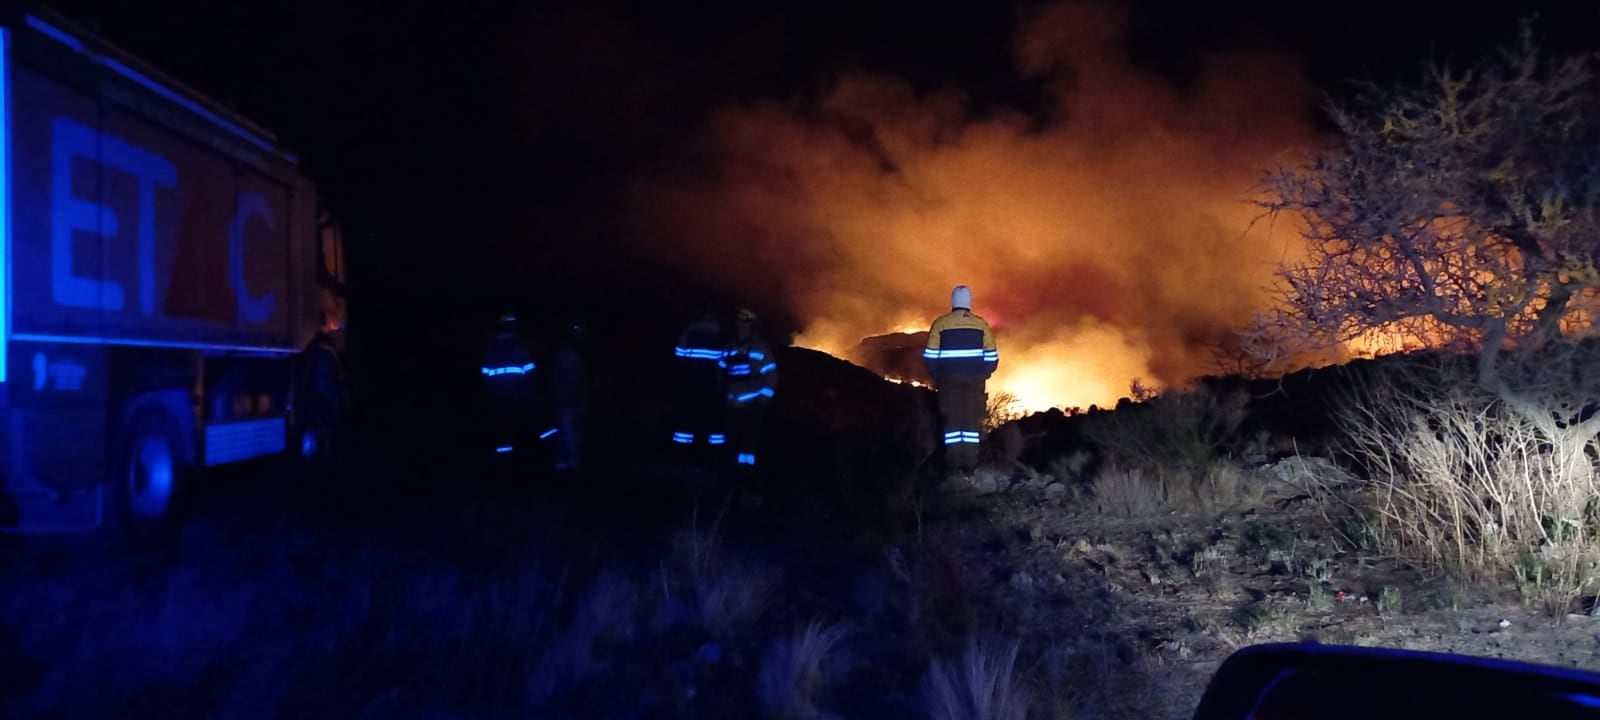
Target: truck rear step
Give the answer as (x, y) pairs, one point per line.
(236, 441)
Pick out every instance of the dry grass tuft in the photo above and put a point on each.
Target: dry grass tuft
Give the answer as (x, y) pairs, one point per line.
(1128, 493)
(982, 685)
(791, 681)
(1463, 482)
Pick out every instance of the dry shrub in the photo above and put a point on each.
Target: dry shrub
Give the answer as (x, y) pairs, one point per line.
(982, 685)
(1464, 481)
(734, 597)
(1135, 492)
(1000, 408)
(1127, 492)
(791, 680)
(1006, 444)
(1227, 485)
(1411, 239)
(730, 593)
(606, 607)
(1178, 433)
(1070, 467)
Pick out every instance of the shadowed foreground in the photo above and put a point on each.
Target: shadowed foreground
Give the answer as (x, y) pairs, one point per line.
(1098, 566)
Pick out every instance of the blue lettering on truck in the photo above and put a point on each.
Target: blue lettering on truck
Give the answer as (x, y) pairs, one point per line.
(70, 140)
(71, 214)
(251, 206)
(125, 231)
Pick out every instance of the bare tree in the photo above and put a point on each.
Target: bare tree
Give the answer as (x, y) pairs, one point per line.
(1462, 211)
(1459, 211)
(1257, 350)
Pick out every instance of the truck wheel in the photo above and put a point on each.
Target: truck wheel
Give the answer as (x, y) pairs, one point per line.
(310, 444)
(315, 445)
(148, 476)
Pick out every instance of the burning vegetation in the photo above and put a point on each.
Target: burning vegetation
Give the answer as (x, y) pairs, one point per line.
(1107, 236)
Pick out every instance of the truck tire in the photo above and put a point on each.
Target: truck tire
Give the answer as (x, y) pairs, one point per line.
(311, 443)
(147, 476)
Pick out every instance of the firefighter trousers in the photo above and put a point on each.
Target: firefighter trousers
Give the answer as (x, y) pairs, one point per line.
(571, 421)
(510, 422)
(962, 403)
(744, 434)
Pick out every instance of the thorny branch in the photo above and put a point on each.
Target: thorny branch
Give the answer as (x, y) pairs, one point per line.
(1461, 210)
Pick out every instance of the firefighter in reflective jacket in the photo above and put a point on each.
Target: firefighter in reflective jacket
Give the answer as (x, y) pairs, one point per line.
(699, 407)
(752, 378)
(508, 376)
(961, 355)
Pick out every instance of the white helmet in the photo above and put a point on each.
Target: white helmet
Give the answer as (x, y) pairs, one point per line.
(961, 298)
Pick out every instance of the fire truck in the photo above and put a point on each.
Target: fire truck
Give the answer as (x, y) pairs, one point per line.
(166, 264)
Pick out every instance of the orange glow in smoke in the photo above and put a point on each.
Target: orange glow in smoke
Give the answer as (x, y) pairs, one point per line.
(1108, 238)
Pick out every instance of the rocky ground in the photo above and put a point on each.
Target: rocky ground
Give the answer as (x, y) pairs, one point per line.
(1130, 616)
(1051, 584)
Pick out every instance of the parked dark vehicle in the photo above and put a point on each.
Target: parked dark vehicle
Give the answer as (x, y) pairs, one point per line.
(1316, 682)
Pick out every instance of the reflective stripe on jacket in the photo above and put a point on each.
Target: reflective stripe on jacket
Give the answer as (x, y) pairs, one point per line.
(701, 346)
(508, 356)
(961, 343)
(751, 372)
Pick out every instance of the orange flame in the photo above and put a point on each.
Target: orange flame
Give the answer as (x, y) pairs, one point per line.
(1108, 238)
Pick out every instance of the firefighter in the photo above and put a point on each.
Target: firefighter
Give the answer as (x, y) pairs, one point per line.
(699, 404)
(751, 373)
(325, 391)
(568, 390)
(961, 355)
(509, 378)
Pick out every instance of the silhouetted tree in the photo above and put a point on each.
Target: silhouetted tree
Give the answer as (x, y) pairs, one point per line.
(1458, 211)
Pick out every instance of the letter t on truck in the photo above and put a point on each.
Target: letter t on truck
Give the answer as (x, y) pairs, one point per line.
(164, 262)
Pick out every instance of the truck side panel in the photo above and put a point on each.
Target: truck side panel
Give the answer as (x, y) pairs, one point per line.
(126, 232)
(61, 399)
(161, 277)
(56, 413)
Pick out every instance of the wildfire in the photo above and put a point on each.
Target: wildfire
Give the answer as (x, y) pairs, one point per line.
(1083, 366)
(1089, 365)
(1114, 242)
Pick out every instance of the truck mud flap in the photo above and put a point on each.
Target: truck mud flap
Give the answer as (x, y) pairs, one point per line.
(48, 512)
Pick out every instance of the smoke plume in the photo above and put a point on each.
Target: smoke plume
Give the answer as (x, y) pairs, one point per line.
(1106, 239)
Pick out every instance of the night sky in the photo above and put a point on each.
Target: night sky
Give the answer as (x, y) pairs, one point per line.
(476, 151)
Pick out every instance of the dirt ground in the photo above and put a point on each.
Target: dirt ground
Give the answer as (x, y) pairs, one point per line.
(1130, 617)
(483, 610)
(423, 592)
